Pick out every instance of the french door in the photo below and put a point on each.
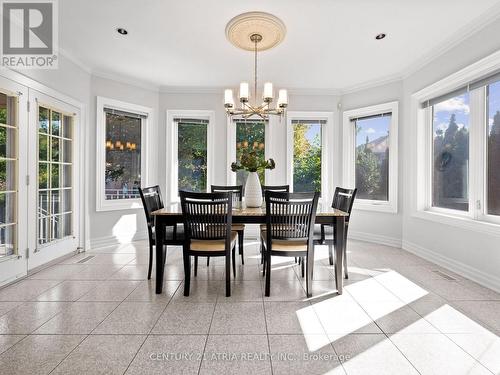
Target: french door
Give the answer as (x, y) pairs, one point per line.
(13, 185)
(53, 194)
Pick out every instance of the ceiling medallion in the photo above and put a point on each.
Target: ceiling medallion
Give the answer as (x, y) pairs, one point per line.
(255, 31)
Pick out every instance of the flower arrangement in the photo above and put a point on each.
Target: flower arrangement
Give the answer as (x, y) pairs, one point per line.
(249, 160)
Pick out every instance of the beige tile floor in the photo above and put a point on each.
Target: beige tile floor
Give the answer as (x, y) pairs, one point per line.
(397, 316)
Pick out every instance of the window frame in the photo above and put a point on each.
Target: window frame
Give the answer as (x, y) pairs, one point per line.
(102, 204)
(349, 155)
(231, 146)
(326, 149)
(172, 178)
(476, 218)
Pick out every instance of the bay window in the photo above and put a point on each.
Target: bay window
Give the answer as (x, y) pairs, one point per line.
(458, 149)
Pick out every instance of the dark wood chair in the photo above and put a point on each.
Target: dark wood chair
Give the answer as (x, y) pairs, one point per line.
(174, 236)
(275, 188)
(208, 231)
(343, 200)
(290, 224)
(237, 191)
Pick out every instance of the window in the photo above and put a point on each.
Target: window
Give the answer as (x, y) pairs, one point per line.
(493, 129)
(308, 164)
(457, 156)
(307, 155)
(370, 155)
(450, 153)
(122, 155)
(8, 176)
(189, 137)
(192, 154)
(250, 135)
(55, 175)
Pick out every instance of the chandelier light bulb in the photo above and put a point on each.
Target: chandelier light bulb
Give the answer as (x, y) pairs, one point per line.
(228, 98)
(282, 98)
(244, 92)
(268, 92)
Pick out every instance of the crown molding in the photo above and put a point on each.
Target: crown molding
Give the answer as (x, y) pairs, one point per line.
(191, 90)
(393, 78)
(125, 80)
(458, 37)
(69, 56)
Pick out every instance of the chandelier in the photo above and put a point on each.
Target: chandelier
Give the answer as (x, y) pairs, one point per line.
(255, 31)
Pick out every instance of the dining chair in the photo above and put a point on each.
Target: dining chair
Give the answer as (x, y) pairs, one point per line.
(237, 191)
(174, 236)
(343, 199)
(289, 231)
(275, 188)
(208, 231)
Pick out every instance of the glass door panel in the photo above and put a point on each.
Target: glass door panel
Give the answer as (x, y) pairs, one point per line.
(13, 160)
(55, 170)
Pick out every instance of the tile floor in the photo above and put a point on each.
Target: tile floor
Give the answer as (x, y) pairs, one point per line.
(397, 316)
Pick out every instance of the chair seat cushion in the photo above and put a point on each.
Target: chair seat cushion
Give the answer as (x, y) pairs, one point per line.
(285, 245)
(212, 245)
(238, 227)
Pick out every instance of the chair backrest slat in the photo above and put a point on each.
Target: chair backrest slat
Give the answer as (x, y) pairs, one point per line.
(275, 188)
(151, 201)
(343, 200)
(207, 216)
(237, 191)
(290, 216)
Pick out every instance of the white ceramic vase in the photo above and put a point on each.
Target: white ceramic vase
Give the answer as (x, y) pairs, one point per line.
(253, 192)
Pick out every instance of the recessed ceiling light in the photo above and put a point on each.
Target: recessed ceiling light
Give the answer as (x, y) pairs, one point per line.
(380, 36)
(121, 31)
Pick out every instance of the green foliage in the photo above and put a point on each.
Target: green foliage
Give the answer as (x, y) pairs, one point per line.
(250, 150)
(368, 177)
(306, 160)
(192, 156)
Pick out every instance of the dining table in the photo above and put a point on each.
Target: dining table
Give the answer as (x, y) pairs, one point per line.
(171, 215)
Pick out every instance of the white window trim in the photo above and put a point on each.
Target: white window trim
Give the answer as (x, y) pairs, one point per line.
(172, 182)
(420, 160)
(349, 153)
(102, 204)
(326, 149)
(231, 147)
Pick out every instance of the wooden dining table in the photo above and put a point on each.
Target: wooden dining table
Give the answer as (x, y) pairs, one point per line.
(171, 215)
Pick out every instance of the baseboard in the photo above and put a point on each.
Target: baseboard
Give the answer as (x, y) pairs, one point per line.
(96, 243)
(375, 238)
(487, 280)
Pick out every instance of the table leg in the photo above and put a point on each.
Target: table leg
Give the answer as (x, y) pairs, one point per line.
(160, 235)
(339, 233)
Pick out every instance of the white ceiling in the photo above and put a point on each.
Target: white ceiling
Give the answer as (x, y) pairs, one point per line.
(329, 44)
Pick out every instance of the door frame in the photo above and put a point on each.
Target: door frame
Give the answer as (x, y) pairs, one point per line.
(82, 137)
